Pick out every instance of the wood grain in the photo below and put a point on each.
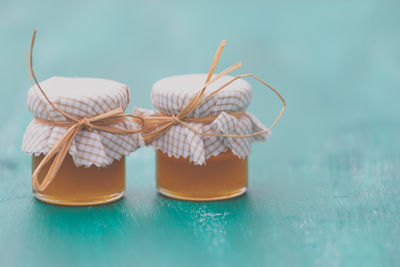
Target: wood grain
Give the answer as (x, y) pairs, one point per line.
(324, 189)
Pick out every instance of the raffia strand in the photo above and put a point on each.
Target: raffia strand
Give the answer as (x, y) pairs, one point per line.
(156, 125)
(102, 122)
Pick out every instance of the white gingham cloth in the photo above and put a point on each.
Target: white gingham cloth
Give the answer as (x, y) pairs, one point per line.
(80, 97)
(171, 94)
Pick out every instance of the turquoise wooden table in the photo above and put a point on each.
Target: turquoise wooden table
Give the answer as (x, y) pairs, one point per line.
(324, 189)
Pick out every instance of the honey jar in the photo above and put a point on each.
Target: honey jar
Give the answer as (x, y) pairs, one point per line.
(202, 133)
(196, 167)
(78, 140)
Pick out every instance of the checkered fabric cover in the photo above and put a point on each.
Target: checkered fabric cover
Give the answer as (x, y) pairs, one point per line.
(171, 94)
(80, 97)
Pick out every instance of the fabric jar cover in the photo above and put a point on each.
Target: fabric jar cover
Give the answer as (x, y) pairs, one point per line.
(171, 94)
(80, 97)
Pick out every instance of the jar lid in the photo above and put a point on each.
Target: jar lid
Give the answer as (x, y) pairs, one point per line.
(80, 98)
(171, 94)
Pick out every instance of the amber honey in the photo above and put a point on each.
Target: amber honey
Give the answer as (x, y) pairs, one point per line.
(223, 177)
(82, 186)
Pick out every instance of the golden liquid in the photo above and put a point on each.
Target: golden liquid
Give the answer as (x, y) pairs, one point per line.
(223, 177)
(81, 186)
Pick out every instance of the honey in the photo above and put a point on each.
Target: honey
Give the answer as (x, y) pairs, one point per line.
(224, 176)
(82, 186)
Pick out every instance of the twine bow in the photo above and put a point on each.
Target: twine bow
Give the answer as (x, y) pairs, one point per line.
(156, 125)
(60, 149)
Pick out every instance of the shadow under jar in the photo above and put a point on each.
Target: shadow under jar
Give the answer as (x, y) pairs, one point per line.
(93, 169)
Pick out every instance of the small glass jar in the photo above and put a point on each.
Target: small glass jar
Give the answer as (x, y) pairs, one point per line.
(193, 160)
(93, 169)
(82, 186)
(224, 176)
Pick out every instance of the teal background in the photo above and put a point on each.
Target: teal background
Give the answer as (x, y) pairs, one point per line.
(324, 189)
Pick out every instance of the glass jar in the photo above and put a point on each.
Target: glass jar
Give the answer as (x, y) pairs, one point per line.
(193, 160)
(85, 118)
(223, 177)
(82, 186)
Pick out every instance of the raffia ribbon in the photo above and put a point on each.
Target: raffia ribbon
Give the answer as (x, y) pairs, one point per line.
(60, 149)
(156, 125)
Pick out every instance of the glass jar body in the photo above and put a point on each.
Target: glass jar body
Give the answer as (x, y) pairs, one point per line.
(82, 186)
(224, 176)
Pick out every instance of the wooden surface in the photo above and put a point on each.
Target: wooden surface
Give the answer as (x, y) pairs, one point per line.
(324, 189)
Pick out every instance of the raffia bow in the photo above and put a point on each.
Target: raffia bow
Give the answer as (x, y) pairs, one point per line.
(60, 149)
(156, 125)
